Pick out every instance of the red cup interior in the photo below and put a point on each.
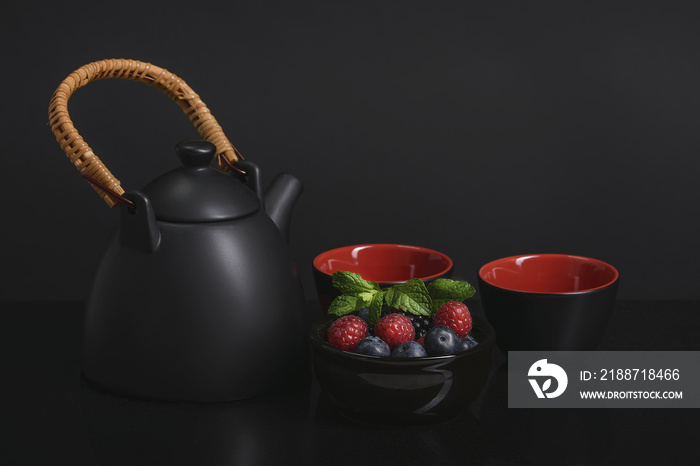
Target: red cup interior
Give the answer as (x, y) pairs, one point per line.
(384, 263)
(548, 273)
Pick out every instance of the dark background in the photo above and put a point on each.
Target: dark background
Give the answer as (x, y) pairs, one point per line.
(481, 129)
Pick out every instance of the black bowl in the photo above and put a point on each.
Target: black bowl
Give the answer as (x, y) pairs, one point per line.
(386, 390)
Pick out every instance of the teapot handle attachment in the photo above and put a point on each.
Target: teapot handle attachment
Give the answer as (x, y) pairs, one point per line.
(82, 156)
(252, 176)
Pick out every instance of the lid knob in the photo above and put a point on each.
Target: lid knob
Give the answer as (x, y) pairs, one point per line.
(195, 152)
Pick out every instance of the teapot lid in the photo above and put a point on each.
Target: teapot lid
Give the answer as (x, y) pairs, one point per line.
(196, 192)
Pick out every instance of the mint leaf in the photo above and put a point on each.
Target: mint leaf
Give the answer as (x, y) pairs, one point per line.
(364, 299)
(342, 305)
(444, 290)
(375, 308)
(347, 303)
(350, 283)
(411, 296)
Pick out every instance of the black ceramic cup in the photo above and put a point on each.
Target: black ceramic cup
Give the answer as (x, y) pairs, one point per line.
(386, 264)
(548, 302)
(399, 391)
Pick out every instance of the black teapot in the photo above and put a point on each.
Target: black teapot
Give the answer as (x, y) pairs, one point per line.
(197, 297)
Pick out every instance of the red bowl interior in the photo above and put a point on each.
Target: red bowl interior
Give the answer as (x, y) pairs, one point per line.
(548, 273)
(384, 263)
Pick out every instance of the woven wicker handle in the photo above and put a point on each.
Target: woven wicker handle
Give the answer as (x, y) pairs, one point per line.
(82, 156)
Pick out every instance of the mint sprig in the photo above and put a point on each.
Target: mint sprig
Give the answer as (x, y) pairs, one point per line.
(375, 308)
(356, 293)
(348, 282)
(443, 290)
(412, 296)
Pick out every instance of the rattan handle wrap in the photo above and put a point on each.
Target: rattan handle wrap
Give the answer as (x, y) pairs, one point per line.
(82, 156)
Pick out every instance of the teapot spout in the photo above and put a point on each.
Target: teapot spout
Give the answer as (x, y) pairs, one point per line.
(280, 198)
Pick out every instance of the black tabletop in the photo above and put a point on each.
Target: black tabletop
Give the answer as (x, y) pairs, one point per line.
(50, 415)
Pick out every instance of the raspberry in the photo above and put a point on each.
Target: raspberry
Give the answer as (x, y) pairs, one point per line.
(455, 316)
(345, 333)
(394, 329)
(421, 340)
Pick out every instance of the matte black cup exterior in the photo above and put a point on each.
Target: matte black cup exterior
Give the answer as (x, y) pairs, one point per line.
(548, 321)
(386, 390)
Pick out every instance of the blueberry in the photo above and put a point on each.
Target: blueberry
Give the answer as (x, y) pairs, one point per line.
(363, 314)
(466, 343)
(409, 349)
(440, 341)
(373, 346)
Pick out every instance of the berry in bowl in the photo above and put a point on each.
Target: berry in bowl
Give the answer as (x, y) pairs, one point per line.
(409, 364)
(384, 263)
